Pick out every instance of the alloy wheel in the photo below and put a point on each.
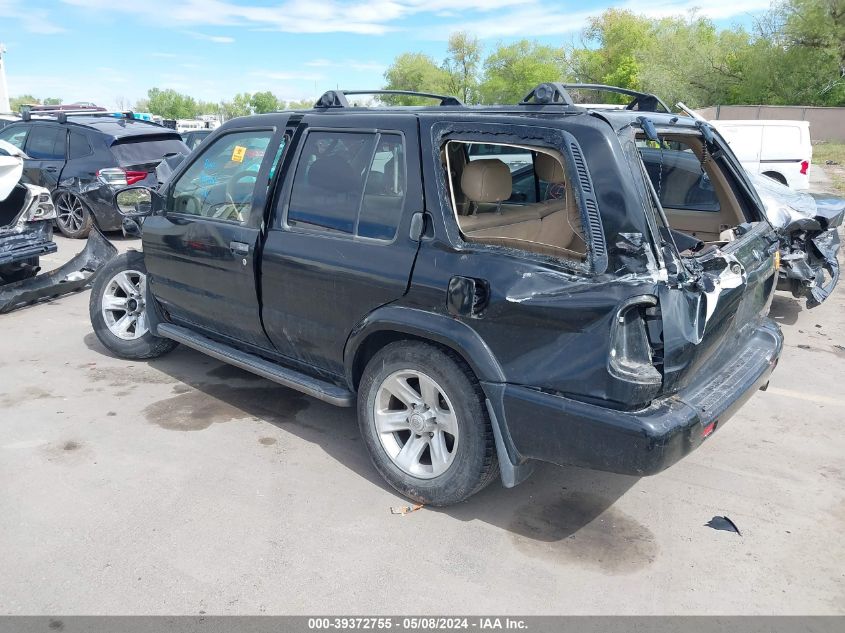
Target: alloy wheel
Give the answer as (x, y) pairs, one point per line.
(70, 212)
(416, 423)
(123, 306)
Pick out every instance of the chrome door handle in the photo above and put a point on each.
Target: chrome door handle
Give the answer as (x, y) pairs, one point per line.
(239, 248)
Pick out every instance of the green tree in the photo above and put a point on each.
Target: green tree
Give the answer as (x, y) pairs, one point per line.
(15, 103)
(816, 29)
(303, 104)
(511, 71)
(52, 101)
(170, 104)
(240, 105)
(262, 102)
(462, 65)
(414, 71)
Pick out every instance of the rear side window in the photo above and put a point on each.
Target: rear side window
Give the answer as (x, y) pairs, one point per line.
(78, 145)
(15, 135)
(46, 143)
(351, 183)
(138, 150)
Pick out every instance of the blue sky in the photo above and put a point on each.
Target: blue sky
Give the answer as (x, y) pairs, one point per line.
(112, 50)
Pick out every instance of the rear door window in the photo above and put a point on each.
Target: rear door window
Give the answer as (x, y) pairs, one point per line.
(350, 183)
(46, 143)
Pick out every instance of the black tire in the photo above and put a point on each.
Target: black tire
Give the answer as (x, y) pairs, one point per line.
(474, 464)
(146, 345)
(74, 228)
(29, 269)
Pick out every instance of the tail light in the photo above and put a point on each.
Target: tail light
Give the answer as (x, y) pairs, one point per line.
(119, 176)
(805, 165)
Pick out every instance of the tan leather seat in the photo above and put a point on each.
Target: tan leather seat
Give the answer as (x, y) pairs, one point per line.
(561, 218)
(486, 180)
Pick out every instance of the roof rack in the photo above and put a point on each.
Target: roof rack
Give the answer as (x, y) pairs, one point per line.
(62, 115)
(337, 98)
(549, 93)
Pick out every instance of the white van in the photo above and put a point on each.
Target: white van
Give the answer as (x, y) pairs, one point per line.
(778, 149)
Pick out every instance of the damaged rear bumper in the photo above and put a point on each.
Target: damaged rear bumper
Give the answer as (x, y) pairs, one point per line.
(74, 275)
(32, 239)
(552, 428)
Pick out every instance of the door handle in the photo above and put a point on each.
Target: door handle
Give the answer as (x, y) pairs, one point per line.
(51, 168)
(239, 248)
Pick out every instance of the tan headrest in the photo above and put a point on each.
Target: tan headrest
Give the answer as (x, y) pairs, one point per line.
(548, 168)
(487, 180)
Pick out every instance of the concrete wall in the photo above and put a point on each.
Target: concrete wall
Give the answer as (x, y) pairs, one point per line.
(826, 124)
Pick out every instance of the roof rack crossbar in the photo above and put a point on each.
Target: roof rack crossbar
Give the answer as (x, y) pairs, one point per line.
(642, 97)
(62, 115)
(337, 98)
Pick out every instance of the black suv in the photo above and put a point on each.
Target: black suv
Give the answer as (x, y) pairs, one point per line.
(380, 258)
(82, 159)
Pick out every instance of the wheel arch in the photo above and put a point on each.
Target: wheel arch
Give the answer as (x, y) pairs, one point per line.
(776, 175)
(395, 323)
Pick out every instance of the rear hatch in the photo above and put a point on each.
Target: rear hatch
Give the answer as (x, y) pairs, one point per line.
(143, 153)
(721, 273)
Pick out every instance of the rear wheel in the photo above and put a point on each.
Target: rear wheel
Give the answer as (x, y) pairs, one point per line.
(73, 217)
(423, 419)
(119, 312)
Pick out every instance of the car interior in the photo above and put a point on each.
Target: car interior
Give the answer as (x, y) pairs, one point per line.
(695, 193)
(491, 205)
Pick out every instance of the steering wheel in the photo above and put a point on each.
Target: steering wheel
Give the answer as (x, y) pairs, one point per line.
(236, 178)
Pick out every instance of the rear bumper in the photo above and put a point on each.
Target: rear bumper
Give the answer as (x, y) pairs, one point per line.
(563, 431)
(35, 240)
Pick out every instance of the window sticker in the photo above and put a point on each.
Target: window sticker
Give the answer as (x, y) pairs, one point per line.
(238, 154)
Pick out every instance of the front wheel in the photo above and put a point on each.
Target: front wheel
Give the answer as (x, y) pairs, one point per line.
(423, 419)
(118, 309)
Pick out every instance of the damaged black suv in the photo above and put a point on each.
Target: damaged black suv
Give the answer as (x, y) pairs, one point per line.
(490, 286)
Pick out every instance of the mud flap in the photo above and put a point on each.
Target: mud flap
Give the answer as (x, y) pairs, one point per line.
(76, 274)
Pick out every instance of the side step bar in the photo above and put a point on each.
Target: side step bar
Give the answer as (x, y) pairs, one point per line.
(320, 389)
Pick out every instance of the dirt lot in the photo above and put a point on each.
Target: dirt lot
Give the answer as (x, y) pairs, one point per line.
(183, 486)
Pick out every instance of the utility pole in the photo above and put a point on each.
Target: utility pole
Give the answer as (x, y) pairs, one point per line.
(4, 88)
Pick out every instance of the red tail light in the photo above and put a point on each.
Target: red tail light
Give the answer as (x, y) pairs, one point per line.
(135, 176)
(119, 176)
(805, 165)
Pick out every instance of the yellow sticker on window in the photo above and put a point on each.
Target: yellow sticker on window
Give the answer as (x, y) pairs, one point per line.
(238, 154)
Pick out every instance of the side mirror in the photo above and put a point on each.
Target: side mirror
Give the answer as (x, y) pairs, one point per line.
(136, 202)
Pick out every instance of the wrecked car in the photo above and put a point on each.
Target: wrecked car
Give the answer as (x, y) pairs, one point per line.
(26, 219)
(809, 228)
(26, 233)
(380, 258)
(82, 158)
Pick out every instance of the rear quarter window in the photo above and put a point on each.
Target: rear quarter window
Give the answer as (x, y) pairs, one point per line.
(78, 145)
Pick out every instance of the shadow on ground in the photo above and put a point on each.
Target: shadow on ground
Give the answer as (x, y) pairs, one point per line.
(559, 511)
(785, 309)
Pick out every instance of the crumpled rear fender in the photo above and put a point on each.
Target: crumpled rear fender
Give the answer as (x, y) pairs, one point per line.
(76, 274)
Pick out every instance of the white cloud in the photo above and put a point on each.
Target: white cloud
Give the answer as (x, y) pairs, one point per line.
(33, 20)
(217, 39)
(349, 64)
